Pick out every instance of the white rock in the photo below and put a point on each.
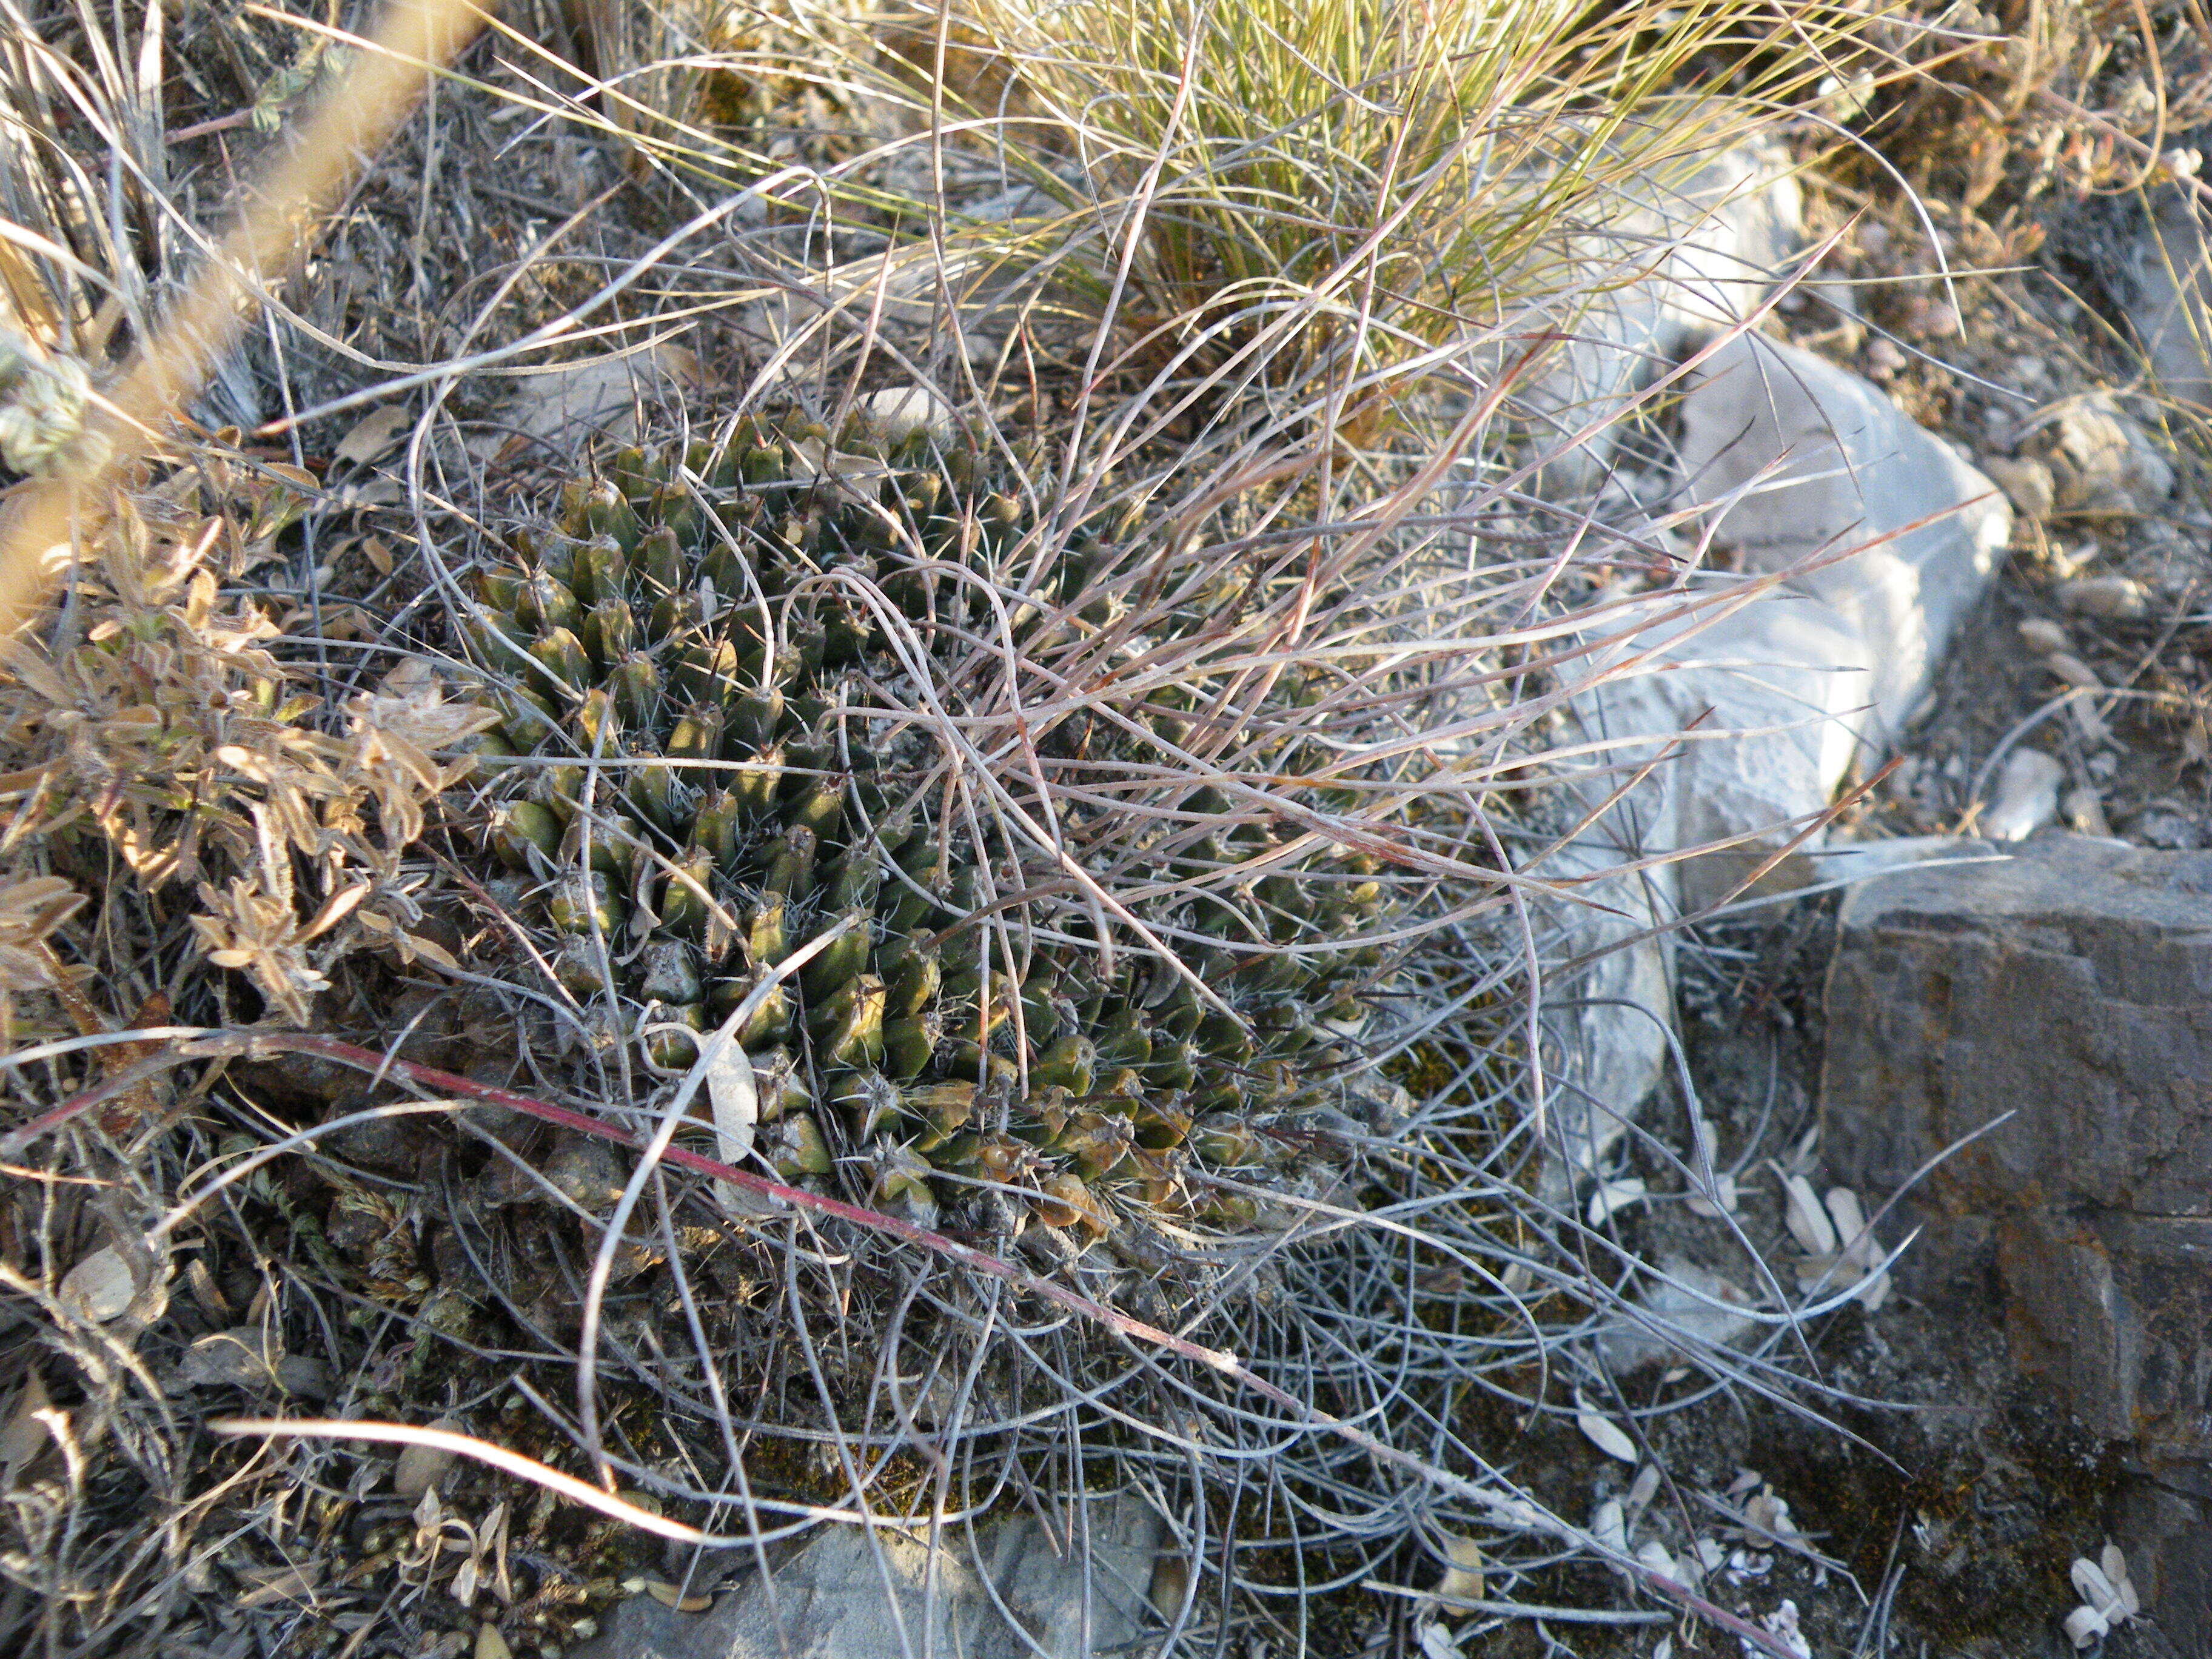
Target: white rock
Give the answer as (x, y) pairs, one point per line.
(2113, 598)
(2027, 796)
(1771, 690)
(901, 411)
(99, 1288)
(1700, 241)
(420, 1467)
(1814, 472)
(2027, 485)
(1608, 1063)
(1880, 537)
(1782, 1624)
(1019, 1589)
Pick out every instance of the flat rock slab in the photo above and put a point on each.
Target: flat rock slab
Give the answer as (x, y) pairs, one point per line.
(2067, 991)
(847, 1594)
(2069, 986)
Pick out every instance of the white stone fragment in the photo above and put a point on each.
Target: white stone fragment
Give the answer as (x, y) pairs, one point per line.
(1687, 1307)
(99, 1288)
(1610, 1197)
(2109, 599)
(2027, 796)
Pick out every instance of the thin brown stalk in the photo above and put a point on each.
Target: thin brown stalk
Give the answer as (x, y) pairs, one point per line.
(273, 230)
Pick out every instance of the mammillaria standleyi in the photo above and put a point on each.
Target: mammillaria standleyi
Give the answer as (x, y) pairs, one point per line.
(715, 648)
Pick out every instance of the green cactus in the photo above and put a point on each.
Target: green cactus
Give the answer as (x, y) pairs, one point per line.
(651, 639)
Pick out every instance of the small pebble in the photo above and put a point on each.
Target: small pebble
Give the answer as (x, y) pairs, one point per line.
(2167, 830)
(2043, 638)
(1884, 358)
(2027, 485)
(2114, 598)
(2073, 670)
(2085, 813)
(1935, 320)
(2027, 796)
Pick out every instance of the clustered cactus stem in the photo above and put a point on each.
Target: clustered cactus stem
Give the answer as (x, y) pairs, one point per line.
(699, 650)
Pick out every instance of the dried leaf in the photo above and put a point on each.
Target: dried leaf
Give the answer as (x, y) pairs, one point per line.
(1609, 1526)
(372, 435)
(1462, 1579)
(1644, 1488)
(670, 1596)
(2114, 1561)
(24, 1437)
(2085, 1625)
(1808, 1223)
(293, 1582)
(1607, 1436)
(735, 1100)
(2097, 1590)
(490, 1644)
(244, 1357)
(1851, 1235)
(1611, 1197)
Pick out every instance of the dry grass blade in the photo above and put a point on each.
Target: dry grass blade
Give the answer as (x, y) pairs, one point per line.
(42, 527)
(497, 1457)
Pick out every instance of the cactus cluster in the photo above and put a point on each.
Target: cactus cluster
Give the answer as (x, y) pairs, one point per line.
(671, 653)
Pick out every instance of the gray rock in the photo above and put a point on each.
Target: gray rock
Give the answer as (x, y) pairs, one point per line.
(2071, 988)
(2167, 1530)
(2101, 461)
(2169, 265)
(2068, 985)
(848, 1595)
